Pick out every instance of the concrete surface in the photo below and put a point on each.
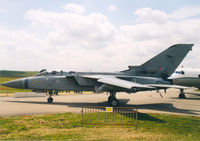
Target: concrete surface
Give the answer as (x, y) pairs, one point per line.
(150, 102)
(28, 94)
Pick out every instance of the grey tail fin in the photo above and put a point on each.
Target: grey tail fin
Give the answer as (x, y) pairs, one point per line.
(165, 63)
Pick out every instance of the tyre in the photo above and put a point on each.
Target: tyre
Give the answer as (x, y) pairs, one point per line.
(110, 98)
(50, 100)
(182, 95)
(114, 103)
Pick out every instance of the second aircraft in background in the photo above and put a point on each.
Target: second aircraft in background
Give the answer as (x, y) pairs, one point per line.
(189, 77)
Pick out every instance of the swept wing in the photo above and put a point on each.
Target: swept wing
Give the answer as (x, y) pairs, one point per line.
(114, 81)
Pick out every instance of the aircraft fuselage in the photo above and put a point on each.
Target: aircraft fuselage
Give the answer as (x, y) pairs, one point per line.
(73, 82)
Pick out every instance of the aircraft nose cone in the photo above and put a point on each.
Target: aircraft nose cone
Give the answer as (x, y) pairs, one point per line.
(14, 84)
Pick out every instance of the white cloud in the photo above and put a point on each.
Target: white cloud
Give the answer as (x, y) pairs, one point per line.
(158, 16)
(112, 8)
(92, 30)
(74, 8)
(78, 41)
(149, 15)
(186, 12)
(160, 25)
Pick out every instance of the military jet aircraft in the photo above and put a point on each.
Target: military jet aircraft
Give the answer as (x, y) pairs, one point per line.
(152, 75)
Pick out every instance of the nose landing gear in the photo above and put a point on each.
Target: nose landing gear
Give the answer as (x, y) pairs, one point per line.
(50, 99)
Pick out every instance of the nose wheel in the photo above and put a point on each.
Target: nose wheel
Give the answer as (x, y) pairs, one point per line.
(50, 99)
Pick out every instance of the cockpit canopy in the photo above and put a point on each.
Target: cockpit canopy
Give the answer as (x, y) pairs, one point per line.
(44, 72)
(180, 72)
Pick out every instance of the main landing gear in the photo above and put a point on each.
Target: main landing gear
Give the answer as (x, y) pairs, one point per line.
(182, 94)
(50, 99)
(112, 100)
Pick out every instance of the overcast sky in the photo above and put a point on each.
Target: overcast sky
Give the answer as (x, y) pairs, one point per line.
(96, 35)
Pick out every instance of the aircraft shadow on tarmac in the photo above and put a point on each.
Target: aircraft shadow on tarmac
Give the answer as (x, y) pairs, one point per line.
(163, 107)
(187, 98)
(99, 105)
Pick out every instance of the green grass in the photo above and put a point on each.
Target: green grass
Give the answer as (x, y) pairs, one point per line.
(17, 74)
(67, 126)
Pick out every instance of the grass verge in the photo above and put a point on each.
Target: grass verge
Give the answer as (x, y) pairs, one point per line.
(67, 126)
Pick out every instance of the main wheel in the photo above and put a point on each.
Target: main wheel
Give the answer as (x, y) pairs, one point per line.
(182, 95)
(50, 100)
(114, 103)
(110, 98)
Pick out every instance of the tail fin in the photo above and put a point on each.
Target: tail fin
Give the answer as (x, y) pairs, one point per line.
(165, 63)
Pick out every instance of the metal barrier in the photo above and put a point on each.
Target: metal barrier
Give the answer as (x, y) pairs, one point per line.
(109, 116)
